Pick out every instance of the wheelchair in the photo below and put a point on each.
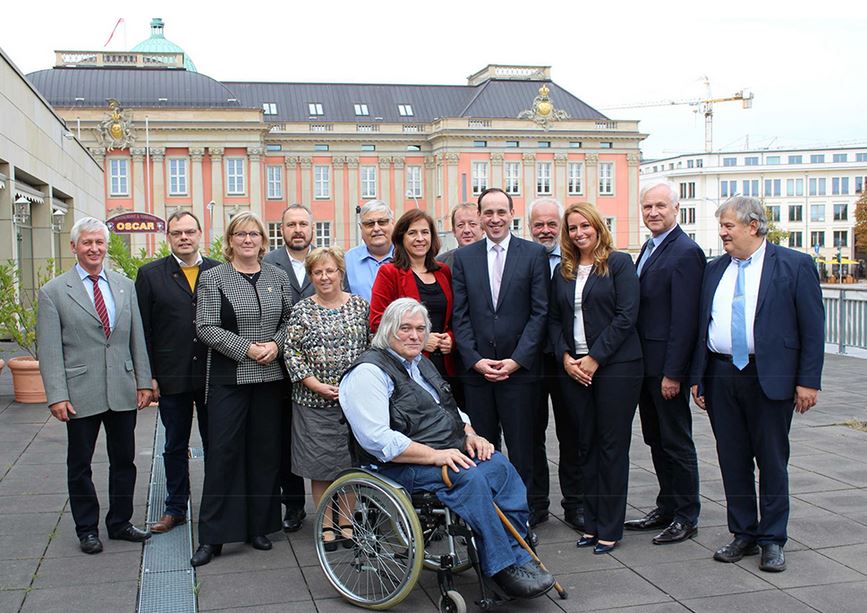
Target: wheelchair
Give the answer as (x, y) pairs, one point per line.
(394, 535)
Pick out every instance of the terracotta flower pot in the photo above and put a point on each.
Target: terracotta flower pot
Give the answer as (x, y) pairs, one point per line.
(27, 380)
(2, 364)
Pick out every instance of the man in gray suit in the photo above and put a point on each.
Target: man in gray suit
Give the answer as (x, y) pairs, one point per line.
(297, 230)
(467, 228)
(94, 364)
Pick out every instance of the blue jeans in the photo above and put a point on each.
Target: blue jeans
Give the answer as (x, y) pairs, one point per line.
(473, 494)
(176, 413)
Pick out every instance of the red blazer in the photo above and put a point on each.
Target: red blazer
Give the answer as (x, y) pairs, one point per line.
(392, 283)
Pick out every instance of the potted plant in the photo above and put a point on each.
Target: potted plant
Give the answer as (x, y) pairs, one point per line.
(18, 323)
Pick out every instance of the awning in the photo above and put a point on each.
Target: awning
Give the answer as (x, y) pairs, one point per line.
(28, 193)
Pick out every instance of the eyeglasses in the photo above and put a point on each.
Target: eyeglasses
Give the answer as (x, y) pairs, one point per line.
(179, 233)
(243, 235)
(324, 272)
(376, 222)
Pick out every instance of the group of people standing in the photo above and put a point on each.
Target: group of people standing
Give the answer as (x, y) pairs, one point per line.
(258, 345)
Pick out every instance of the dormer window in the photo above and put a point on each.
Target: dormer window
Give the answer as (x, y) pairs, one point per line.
(405, 110)
(315, 108)
(361, 110)
(269, 108)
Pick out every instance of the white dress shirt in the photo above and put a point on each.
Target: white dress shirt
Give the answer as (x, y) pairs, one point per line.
(492, 256)
(104, 288)
(297, 267)
(719, 333)
(578, 333)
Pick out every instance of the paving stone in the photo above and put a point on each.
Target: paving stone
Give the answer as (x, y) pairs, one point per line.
(106, 567)
(768, 601)
(115, 597)
(827, 531)
(28, 523)
(696, 578)
(252, 588)
(286, 607)
(10, 600)
(843, 598)
(417, 600)
(805, 568)
(33, 503)
(16, 546)
(17, 574)
(609, 589)
(237, 556)
(853, 556)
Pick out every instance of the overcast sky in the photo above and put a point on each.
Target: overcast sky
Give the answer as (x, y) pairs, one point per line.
(804, 62)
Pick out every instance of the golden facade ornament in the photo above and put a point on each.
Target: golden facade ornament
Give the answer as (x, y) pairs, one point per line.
(543, 111)
(115, 131)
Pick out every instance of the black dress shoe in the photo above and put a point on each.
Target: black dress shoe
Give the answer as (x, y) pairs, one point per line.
(90, 543)
(586, 541)
(601, 548)
(262, 543)
(131, 534)
(537, 516)
(205, 553)
(522, 582)
(676, 532)
(773, 558)
(653, 520)
(736, 550)
(292, 519)
(574, 518)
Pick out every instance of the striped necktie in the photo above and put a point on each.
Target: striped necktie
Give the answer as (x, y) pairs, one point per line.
(99, 303)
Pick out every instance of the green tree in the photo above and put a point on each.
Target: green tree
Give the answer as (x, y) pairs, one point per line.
(775, 234)
(18, 316)
(128, 263)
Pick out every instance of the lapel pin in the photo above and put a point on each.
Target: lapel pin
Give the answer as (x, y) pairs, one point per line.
(269, 290)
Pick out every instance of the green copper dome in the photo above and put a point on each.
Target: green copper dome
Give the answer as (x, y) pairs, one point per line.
(158, 43)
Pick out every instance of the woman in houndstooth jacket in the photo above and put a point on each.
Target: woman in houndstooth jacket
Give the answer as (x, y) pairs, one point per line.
(242, 312)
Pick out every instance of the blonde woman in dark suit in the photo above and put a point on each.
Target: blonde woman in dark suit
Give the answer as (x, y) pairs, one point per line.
(242, 313)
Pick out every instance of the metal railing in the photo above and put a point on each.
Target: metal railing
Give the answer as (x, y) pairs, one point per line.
(845, 316)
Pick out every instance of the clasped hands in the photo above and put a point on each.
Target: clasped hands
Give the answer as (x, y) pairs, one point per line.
(263, 353)
(496, 370)
(580, 369)
(438, 340)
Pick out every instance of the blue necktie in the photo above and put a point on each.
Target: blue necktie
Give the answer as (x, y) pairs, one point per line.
(651, 245)
(740, 351)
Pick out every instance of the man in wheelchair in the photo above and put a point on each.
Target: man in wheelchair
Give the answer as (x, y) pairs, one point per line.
(404, 417)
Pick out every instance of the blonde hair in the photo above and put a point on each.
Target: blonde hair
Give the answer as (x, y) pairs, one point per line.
(320, 253)
(242, 219)
(569, 253)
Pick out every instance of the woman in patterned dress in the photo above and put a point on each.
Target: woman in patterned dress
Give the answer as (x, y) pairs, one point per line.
(326, 332)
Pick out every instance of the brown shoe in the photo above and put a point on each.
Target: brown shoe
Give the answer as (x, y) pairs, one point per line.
(166, 523)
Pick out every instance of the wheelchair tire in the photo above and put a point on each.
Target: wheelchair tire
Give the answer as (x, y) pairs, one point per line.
(452, 602)
(379, 566)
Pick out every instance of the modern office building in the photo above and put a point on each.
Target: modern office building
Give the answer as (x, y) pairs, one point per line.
(168, 137)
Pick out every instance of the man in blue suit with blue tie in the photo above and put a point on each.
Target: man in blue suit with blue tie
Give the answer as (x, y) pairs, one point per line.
(758, 356)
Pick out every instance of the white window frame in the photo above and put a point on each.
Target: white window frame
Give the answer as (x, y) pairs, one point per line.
(543, 178)
(405, 110)
(512, 178)
(314, 109)
(321, 182)
(611, 222)
(274, 181)
(269, 108)
(178, 183)
(516, 226)
(368, 182)
(413, 181)
(479, 171)
(361, 109)
(236, 176)
(118, 184)
(575, 179)
(322, 234)
(845, 210)
(606, 178)
(275, 235)
(687, 215)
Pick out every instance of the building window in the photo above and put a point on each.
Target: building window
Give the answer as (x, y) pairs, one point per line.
(235, 176)
(274, 175)
(405, 110)
(730, 161)
(611, 224)
(273, 147)
(513, 177)
(687, 190)
(699, 163)
(794, 187)
(516, 226)
(269, 108)
(606, 178)
(512, 144)
(773, 212)
(841, 211)
(368, 181)
(839, 186)
(728, 189)
(796, 239)
(773, 187)
(772, 160)
(361, 110)
(575, 182)
(687, 215)
(480, 177)
(575, 144)
(413, 147)
(690, 163)
(859, 184)
(796, 159)
(751, 161)
(274, 235)
(314, 109)
(606, 145)
(817, 237)
(368, 147)
(818, 186)
(543, 178)
(861, 157)
(177, 176)
(413, 181)
(480, 143)
(817, 158)
(841, 238)
(796, 212)
(321, 147)
(119, 176)
(817, 212)
(840, 157)
(323, 233)
(751, 188)
(322, 182)
(544, 144)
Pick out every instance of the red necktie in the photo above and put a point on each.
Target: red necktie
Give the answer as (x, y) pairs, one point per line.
(99, 303)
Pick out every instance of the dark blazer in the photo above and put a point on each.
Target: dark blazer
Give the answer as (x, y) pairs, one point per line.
(609, 306)
(168, 313)
(789, 325)
(516, 329)
(280, 259)
(668, 315)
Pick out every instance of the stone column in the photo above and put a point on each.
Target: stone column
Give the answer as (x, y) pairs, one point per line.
(385, 180)
(428, 191)
(634, 219)
(138, 194)
(255, 155)
(158, 195)
(452, 198)
(529, 187)
(217, 189)
(347, 234)
(197, 189)
(399, 186)
(591, 177)
(338, 163)
(291, 163)
(561, 177)
(306, 180)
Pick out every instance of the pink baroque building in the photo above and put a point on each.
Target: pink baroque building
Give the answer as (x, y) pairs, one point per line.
(169, 137)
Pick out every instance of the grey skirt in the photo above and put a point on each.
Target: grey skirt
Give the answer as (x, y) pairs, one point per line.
(320, 449)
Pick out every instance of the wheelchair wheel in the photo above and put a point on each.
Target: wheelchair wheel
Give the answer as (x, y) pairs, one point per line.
(452, 602)
(436, 544)
(378, 567)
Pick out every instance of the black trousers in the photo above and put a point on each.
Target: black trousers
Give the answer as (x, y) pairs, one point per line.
(82, 433)
(291, 485)
(604, 413)
(569, 468)
(510, 405)
(176, 413)
(667, 429)
(751, 430)
(240, 496)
